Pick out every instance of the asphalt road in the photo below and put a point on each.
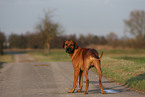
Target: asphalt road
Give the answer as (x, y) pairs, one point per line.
(29, 78)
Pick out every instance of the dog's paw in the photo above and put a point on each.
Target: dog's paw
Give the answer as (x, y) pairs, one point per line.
(86, 92)
(71, 91)
(79, 90)
(103, 92)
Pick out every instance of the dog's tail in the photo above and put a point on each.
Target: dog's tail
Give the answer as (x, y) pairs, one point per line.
(101, 56)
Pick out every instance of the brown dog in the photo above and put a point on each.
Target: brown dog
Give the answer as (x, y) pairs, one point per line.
(83, 59)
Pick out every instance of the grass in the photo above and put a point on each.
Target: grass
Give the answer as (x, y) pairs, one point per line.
(5, 59)
(127, 72)
(126, 67)
(54, 55)
(134, 59)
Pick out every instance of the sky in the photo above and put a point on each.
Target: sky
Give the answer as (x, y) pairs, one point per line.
(97, 17)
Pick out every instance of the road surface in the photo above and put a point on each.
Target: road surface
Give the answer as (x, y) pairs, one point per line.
(28, 78)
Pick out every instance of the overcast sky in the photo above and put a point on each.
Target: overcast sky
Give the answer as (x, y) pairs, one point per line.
(98, 17)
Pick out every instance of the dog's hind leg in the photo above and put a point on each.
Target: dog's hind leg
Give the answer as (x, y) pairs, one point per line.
(98, 67)
(87, 81)
(86, 68)
(80, 81)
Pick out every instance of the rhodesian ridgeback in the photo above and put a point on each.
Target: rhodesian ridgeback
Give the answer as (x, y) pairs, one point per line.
(83, 59)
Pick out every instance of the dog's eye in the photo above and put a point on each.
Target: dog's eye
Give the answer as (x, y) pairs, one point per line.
(65, 44)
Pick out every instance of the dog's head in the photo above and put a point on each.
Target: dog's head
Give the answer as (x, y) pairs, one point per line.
(70, 46)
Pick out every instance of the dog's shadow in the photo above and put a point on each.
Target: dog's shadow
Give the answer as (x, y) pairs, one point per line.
(114, 89)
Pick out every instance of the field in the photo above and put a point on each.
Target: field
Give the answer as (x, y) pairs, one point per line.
(126, 67)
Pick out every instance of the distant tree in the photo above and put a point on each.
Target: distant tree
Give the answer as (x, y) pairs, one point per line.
(15, 41)
(95, 40)
(72, 37)
(2, 39)
(102, 40)
(135, 25)
(91, 39)
(83, 41)
(34, 40)
(2, 36)
(112, 39)
(23, 41)
(28, 40)
(48, 30)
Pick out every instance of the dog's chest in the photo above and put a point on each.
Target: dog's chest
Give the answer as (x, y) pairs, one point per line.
(78, 61)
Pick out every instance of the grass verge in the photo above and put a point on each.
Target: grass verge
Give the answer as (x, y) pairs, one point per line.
(126, 72)
(126, 67)
(5, 59)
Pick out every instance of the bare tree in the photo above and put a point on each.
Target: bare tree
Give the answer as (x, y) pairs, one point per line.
(135, 25)
(49, 30)
(2, 39)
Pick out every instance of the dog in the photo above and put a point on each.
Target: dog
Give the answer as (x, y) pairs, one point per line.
(83, 59)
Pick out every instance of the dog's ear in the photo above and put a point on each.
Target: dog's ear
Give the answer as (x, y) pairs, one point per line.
(63, 44)
(75, 45)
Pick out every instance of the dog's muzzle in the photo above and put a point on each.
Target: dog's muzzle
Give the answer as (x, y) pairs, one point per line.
(69, 50)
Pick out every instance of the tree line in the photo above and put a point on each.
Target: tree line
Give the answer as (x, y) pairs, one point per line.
(49, 35)
(34, 40)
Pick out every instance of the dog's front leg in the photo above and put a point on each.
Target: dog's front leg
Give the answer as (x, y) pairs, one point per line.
(76, 74)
